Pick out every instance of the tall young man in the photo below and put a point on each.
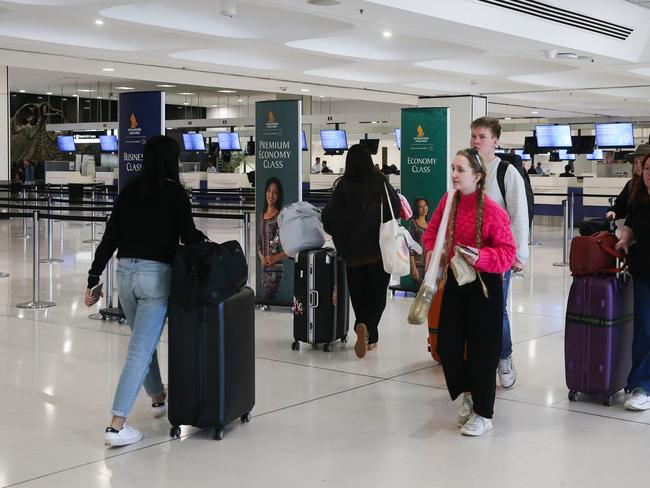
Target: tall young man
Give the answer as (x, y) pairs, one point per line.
(486, 132)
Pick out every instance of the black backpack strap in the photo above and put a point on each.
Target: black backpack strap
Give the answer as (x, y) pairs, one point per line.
(501, 179)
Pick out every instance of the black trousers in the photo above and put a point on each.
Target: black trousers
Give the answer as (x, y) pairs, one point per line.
(467, 317)
(368, 285)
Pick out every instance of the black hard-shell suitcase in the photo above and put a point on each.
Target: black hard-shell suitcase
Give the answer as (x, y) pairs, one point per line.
(321, 311)
(212, 363)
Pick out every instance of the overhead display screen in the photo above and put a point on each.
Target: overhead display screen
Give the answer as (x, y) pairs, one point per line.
(614, 136)
(65, 143)
(553, 136)
(228, 141)
(334, 139)
(193, 142)
(108, 143)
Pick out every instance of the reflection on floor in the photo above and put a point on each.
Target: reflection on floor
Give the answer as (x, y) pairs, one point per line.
(321, 419)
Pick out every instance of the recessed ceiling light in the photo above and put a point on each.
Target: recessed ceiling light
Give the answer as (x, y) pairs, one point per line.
(86, 108)
(108, 69)
(508, 118)
(166, 86)
(535, 112)
(21, 91)
(387, 34)
(49, 93)
(186, 93)
(324, 3)
(75, 95)
(124, 88)
(99, 22)
(227, 91)
(40, 98)
(213, 106)
(100, 97)
(239, 100)
(64, 99)
(85, 90)
(321, 96)
(304, 89)
(186, 103)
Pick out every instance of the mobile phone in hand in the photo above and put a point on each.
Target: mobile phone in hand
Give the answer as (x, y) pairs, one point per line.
(96, 291)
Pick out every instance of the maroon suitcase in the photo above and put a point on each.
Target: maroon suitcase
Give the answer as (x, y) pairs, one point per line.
(598, 335)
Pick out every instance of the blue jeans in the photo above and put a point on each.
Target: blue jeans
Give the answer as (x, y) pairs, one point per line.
(506, 345)
(640, 372)
(144, 288)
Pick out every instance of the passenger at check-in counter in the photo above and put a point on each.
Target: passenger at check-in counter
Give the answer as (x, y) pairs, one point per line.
(635, 241)
(538, 169)
(316, 167)
(326, 169)
(620, 208)
(211, 168)
(532, 170)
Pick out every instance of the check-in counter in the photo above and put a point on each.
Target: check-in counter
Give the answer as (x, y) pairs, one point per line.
(193, 179)
(551, 184)
(602, 186)
(326, 181)
(67, 177)
(219, 181)
(105, 177)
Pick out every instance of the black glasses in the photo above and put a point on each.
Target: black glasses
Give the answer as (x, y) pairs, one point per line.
(475, 153)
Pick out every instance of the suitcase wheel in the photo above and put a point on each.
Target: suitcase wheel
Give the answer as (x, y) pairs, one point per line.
(607, 401)
(344, 339)
(295, 346)
(175, 432)
(218, 434)
(246, 417)
(327, 347)
(573, 395)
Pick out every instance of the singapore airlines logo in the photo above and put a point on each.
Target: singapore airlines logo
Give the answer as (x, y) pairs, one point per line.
(133, 129)
(271, 121)
(134, 121)
(421, 137)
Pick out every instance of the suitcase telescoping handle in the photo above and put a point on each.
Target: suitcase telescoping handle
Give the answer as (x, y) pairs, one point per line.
(313, 299)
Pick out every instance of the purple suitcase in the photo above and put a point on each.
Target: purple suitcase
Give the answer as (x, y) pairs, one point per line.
(598, 335)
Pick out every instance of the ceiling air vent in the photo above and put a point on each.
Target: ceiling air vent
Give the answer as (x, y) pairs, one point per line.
(563, 16)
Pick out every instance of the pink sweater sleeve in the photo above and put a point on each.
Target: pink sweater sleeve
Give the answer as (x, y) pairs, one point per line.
(498, 253)
(429, 237)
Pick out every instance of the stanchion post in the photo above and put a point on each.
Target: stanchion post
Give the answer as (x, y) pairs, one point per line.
(36, 302)
(50, 232)
(24, 235)
(92, 224)
(570, 209)
(565, 240)
(247, 243)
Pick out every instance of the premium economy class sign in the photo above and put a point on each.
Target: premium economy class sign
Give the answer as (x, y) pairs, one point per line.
(278, 182)
(142, 116)
(424, 164)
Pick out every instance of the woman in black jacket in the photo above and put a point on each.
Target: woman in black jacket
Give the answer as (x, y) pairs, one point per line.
(352, 218)
(620, 208)
(151, 213)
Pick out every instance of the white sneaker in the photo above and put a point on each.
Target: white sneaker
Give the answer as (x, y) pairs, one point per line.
(127, 435)
(507, 373)
(466, 409)
(476, 426)
(638, 401)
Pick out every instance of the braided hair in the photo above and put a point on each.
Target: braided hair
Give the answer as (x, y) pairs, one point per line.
(476, 165)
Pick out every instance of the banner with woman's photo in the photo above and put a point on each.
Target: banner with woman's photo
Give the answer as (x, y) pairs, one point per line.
(423, 177)
(278, 182)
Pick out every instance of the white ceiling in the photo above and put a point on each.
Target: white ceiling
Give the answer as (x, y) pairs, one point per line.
(437, 47)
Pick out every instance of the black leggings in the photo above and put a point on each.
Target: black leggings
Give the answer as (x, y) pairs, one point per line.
(467, 317)
(368, 285)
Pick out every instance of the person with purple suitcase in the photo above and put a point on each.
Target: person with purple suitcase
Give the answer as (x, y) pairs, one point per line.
(635, 242)
(352, 218)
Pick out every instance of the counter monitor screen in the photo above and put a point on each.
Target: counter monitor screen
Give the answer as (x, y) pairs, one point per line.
(303, 141)
(108, 143)
(65, 143)
(553, 136)
(334, 139)
(525, 157)
(193, 142)
(398, 138)
(565, 156)
(229, 141)
(613, 136)
(596, 155)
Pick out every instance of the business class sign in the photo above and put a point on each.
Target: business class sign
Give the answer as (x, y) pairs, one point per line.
(142, 116)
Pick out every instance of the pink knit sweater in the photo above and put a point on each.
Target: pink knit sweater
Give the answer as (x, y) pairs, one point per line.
(497, 253)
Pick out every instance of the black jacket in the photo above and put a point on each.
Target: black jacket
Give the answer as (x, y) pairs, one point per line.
(355, 230)
(620, 206)
(638, 220)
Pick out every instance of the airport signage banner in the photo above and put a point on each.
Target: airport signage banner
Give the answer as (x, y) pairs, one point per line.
(142, 116)
(424, 167)
(278, 182)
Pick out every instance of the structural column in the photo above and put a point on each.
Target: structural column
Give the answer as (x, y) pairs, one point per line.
(5, 158)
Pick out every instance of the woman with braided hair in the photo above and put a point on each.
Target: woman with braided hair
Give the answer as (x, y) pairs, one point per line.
(471, 314)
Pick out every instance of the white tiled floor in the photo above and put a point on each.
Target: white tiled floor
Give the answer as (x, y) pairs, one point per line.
(321, 419)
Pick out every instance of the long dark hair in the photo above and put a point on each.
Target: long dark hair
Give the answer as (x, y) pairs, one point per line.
(273, 180)
(639, 191)
(160, 163)
(360, 169)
